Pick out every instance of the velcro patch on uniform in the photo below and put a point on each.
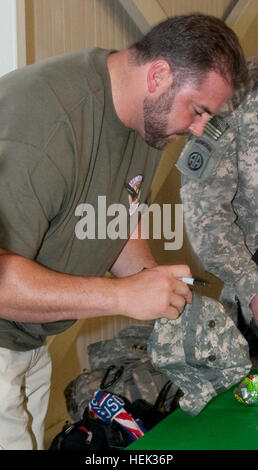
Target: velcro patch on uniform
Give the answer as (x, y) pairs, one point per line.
(200, 156)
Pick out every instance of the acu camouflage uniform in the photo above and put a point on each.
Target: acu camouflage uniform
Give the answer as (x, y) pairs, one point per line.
(221, 199)
(201, 352)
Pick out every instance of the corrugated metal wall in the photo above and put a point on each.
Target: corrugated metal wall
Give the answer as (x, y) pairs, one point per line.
(216, 8)
(58, 26)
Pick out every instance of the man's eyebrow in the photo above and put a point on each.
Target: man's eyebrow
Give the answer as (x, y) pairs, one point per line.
(207, 110)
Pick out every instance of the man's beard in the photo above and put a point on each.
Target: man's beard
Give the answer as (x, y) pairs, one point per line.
(155, 113)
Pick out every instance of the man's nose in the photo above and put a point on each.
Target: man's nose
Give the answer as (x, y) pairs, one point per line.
(198, 126)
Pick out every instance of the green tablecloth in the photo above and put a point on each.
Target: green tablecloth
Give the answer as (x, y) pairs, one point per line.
(224, 424)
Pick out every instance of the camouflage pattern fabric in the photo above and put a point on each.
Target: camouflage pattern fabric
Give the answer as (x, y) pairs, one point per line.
(221, 207)
(126, 356)
(130, 344)
(202, 352)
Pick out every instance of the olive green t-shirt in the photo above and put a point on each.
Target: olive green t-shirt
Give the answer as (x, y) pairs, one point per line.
(62, 145)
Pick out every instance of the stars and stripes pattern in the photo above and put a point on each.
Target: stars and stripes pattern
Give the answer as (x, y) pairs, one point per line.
(109, 407)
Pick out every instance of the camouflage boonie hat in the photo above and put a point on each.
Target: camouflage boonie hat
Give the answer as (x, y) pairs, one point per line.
(202, 352)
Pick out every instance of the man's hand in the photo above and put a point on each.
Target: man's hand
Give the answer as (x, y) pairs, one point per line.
(154, 293)
(254, 308)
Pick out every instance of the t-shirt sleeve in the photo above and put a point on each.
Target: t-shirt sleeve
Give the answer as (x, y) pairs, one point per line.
(32, 192)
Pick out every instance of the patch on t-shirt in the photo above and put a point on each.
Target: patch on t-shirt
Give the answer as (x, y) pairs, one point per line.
(134, 192)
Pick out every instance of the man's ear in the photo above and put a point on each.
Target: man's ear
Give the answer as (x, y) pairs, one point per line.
(159, 76)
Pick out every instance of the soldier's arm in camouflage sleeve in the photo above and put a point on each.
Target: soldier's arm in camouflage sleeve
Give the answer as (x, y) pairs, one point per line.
(254, 307)
(212, 224)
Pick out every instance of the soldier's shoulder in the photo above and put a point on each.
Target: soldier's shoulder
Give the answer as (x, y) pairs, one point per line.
(252, 65)
(249, 92)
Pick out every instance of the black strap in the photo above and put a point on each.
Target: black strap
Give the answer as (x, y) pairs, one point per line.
(255, 257)
(117, 374)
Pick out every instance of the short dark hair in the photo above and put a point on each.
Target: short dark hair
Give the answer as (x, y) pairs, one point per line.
(194, 44)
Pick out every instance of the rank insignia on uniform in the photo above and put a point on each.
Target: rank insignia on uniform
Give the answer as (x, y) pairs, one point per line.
(134, 192)
(216, 127)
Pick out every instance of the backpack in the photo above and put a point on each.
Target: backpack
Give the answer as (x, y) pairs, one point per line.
(121, 373)
(97, 431)
(121, 366)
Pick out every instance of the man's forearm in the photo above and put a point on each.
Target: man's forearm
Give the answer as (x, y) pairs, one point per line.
(135, 256)
(254, 308)
(32, 293)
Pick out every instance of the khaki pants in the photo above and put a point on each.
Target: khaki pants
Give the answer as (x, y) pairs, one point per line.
(24, 394)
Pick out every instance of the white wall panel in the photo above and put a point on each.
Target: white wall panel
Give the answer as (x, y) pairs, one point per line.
(208, 7)
(57, 26)
(8, 38)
